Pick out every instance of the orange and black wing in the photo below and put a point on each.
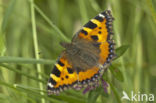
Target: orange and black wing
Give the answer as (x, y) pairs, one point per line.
(63, 76)
(99, 30)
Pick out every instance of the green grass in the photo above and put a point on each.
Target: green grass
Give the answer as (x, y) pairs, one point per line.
(29, 46)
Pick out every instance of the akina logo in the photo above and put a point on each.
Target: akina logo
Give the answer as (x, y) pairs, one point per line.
(138, 96)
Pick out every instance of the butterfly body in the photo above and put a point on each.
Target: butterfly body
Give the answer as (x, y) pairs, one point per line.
(84, 60)
(81, 54)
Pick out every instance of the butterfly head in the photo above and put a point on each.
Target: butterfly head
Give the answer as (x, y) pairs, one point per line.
(65, 45)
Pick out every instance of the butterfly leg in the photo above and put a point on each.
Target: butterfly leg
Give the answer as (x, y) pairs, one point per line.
(104, 85)
(91, 87)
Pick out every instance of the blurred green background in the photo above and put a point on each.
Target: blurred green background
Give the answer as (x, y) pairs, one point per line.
(30, 32)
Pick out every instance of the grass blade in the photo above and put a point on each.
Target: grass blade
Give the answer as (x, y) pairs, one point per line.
(51, 23)
(36, 48)
(21, 60)
(22, 73)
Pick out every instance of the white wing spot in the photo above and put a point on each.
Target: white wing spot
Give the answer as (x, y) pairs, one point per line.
(50, 85)
(101, 15)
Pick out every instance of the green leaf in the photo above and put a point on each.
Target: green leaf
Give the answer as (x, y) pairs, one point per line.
(121, 50)
(116, 73)
(118, 100)
(93, 95)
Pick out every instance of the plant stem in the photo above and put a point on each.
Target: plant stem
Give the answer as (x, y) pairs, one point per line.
(36, 47)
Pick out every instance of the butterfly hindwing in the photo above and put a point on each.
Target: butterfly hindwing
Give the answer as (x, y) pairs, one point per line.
(63, 76)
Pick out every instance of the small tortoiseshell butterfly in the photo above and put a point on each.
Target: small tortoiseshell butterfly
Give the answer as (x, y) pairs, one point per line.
(84, 60)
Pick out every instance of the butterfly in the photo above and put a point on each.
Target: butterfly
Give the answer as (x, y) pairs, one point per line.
(84, 60)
